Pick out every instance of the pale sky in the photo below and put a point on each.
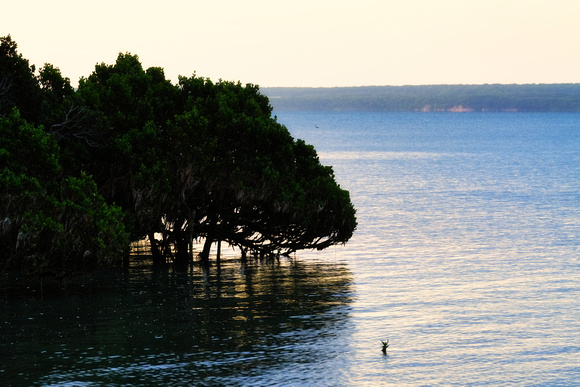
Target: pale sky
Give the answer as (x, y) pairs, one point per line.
(319, 43)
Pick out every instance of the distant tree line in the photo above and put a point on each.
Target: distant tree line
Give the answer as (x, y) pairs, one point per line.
(486, 98)
(130, 155)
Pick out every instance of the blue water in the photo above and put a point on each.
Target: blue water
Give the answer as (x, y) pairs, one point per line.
(467, 253)
(466, 259)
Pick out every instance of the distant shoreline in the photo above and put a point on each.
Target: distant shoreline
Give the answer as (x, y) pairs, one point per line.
(429, 98)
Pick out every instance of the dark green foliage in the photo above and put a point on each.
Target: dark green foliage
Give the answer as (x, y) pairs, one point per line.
(53, 222)
(129, 109)
(18, 85)
(50, 224)
(261, 189)
(205, 160)
(187, 161)
(57, 106)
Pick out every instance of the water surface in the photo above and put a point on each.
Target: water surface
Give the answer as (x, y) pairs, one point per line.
(466, 258)
(467, 253)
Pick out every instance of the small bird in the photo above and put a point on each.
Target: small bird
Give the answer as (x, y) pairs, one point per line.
(385, 346)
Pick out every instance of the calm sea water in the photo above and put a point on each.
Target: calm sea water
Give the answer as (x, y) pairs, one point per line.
(466, 258)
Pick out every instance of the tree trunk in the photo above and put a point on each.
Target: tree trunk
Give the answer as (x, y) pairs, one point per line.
(182, 257)
(219, 251)
(204, 255)
(244, 256)
(156, 254)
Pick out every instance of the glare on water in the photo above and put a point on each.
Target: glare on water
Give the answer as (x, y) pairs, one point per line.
(466, 259)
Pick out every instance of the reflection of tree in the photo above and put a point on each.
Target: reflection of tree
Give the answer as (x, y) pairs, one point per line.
(231, 320)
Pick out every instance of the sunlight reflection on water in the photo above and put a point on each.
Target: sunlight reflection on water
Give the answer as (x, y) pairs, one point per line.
(466, 258)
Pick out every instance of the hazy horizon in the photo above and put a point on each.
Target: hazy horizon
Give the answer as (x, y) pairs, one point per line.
(425, 84)
(315, 43)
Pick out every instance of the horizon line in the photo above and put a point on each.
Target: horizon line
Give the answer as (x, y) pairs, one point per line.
(418, 85)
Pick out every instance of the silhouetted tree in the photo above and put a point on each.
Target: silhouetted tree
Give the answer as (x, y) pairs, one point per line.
(196, 160)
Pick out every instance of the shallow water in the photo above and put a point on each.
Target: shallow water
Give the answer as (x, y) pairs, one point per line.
(466, 258)
(146, 326)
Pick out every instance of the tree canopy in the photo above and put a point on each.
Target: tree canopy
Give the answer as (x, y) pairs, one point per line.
(130, 155)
